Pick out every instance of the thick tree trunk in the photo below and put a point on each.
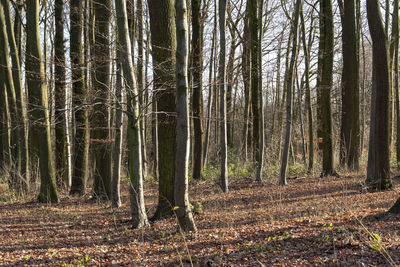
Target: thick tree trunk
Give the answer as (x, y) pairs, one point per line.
(350, 127)
(138, 212)
(162, 27)
(324, 85)
(79, 95)
(100, 133)
(38, 106)
(381, 61)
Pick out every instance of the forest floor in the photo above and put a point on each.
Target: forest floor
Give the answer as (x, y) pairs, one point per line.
(327, 222)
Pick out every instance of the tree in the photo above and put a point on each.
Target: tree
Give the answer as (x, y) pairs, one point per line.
(307, 49)
(181, 194)
(289, 83)
(59, 73)
(382, 86)
(222, 91)
(100, 132)
(23, 142)
(138, 212)
(38, 106)
(324, 85)
(162, 27)
(350, 127)
(82, 135)
(197, 102)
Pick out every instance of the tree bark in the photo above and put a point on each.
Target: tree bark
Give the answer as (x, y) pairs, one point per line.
(222, 91)
(79, 95)
(324, 85)
(181, 193)
(38, 106)
(197, 98)
(162, 27)
(381, 61)
(138, 212)
(289, 90)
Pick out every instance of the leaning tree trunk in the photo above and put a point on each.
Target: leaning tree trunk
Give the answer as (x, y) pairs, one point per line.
(382, 83)
(138, 212)
(181, 193)
(21, 111)
(79, 95)
(38, 106)
(10, 99)
(289, 91)
(222, 89)
(324, 85)
(162, 27)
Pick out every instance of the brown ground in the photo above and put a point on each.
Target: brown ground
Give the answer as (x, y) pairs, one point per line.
(333, 221)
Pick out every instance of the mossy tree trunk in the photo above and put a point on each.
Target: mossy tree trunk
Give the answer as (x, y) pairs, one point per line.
(38, 106)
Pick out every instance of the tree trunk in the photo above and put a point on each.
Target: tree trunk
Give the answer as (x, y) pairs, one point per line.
(59, 72)
(100, 132)
(350, 128)
(197, 98)
(38, 106)
(381, 61)
(79, 95)
(138, 212)
(324, 85)
(222, 90)
(162, 27)
(181, 193)
(289, 76)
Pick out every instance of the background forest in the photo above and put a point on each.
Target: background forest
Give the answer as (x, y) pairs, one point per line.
(199, 132)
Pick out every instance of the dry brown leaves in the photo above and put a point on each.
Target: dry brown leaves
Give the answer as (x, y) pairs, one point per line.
(309, 222)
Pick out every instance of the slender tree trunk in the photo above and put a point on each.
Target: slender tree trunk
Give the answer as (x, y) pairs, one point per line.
(182, 207)
(197, 98)
(306, 49)
(38, 103)
(117, 149)
(222, 90)
(138, 212)
(289, 76)
(59, 71)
